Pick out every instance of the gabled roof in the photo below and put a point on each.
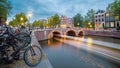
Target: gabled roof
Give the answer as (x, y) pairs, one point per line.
(100, 11)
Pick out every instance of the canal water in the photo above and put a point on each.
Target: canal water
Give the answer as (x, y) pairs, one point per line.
(69, 53)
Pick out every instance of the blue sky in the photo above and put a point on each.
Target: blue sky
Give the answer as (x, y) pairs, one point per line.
(43, 9)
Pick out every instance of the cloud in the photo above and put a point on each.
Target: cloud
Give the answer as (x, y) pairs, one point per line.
(46, 8)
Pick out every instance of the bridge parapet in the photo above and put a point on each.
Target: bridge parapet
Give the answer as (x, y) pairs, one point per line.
(48, 33)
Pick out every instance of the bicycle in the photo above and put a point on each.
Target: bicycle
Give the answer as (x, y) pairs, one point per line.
(31, 50)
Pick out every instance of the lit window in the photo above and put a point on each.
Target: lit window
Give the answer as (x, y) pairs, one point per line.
(112, 24)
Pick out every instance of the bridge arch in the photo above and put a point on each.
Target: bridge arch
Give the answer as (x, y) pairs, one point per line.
(70, 32)
(80, 33)
(54, 33)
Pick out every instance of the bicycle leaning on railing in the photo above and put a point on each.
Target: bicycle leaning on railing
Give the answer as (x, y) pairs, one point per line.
(11, 44)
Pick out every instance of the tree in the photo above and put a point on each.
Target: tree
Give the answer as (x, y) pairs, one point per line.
(20, 19)
(90, 18)
(90, 15)
(85, 22)
(114, 8)
(38, 24)
(56, 20)
(41, 24)
(50, 23)
(13, 23)
(34, 24)
(53, 21)
(78, 19)
(5, 8)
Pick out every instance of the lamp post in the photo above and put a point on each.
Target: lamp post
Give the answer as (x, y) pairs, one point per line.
(29, 16)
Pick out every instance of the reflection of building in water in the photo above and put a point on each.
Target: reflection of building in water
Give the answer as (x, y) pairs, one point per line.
(66, 22)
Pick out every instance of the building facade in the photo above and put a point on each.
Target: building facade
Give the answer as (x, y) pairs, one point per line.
(106, 20)
(112, 22)
(66, 22)
(109, 21)
(99, 19)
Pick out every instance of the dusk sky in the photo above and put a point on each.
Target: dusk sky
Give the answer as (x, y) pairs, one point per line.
(43, 9)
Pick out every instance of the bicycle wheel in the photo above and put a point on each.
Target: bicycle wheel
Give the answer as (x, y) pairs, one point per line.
(32, 55)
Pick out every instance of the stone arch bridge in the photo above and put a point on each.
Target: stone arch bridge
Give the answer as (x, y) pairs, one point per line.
(49, 33)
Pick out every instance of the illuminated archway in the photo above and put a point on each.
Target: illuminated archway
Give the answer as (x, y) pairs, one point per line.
(54, 33)
(80, 33)
(70, 33)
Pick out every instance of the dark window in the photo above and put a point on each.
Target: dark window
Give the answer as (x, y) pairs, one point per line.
(96, 20)
(102, 15)
(96, 16)
(102, 19)
(99, 15)
(99, 20)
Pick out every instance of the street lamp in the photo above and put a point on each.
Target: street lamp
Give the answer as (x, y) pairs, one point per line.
(29, 16)
(89, 23)
(22, 24)
(78, 24)
(21, 18)
(6, 22)
(90, 26)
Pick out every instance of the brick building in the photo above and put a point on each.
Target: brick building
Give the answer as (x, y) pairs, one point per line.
(66, 22)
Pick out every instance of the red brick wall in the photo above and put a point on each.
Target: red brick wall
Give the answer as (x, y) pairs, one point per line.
(40, 35)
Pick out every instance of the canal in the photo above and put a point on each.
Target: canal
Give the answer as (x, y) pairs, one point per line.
(73, 53)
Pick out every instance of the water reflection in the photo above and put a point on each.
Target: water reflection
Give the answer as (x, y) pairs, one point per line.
(68, 53)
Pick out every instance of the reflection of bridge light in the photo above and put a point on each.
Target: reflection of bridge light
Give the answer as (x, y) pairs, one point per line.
(49, 43)
(89, 42)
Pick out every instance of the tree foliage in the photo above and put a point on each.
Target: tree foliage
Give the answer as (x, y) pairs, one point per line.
(78, 19)
(5, 8)
(38, 24)
(20, 19)
(90, 15)
(89, 18)
(85, 22)
(53, 21)
(56, 20)
(114, 8)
